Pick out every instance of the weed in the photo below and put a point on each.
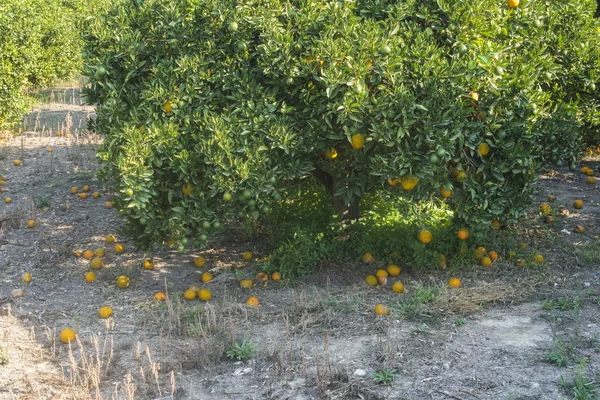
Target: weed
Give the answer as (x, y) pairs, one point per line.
(563, 304)
(591, 253)
(414, 305)
(384, 376)
(561, 353)
(581, 387)
(241, 350)
(460, 322)
(340, 306)
(3, 355)
(42, 201)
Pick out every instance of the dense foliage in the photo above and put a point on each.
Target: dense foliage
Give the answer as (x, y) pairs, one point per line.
(211, 108)
(39, 42)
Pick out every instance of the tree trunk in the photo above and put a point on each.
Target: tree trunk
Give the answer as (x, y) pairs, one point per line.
(349, 212)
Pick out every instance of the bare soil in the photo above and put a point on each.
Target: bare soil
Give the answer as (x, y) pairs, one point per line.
(314, 338)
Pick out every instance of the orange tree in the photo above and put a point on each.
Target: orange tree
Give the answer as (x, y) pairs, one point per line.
(39, 43)
(211, 107)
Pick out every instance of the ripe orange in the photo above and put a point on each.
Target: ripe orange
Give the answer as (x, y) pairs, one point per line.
(88, 254)
(368, 258)
(74, 190)
(579, 229)
(380, 309)
(246, 284)
(513, 3)
(206, 277)
(105, 312)
(247, 256)
(2, 183)
(8, 200)
(83, 196)
(199, 262)
(276, 276)
(484, 149)
(486, 262)
(463, 233)
(474, 96)
(578, 204)
(96, 195)
(49, 149)
(398, 287)
(371, 280)
(110, 239)
(591, 180)
(86, 188)
(479, 253)
(122, 282)
(204, 295)
(26, 277)
(454, 283)
(493, 255)
(539, 259)
(252, 301)
(100, 252)
(358, 141)
(446, 194)
(441, 261)
(16, 163)
(189, 294)
(331, 153)
(584, 170)
(460, 176)
(31, 223)
(119, 248)
(168, 107)
(90, 277)
(96, 263)
(425, 236)
(67, 335)
(148, 264)
(160, 296)
(409, 182)
(393, 182)
(393, 270)
(381, 272)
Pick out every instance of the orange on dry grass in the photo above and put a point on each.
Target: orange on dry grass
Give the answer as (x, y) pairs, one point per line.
(247, 256)
(105, 312)
(199, 262)
(96, 263)
(90, 277)
(578, 204)
(380, 309)
(189, 294)
(67, 335)
(252, 301)
(206, 277)
(393, 270)
(425, 236)
(89, 254)
(246, 284)
(398, 287)
(160, 296)
(371, 280)
(148, 264)
(204, 294)
(119, 248)
(123, 282)
(275, 276)
(454, 283)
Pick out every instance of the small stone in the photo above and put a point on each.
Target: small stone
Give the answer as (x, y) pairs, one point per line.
(535, 385)
(17, 293)
(359, 373)
(446, 365)
(587, 284)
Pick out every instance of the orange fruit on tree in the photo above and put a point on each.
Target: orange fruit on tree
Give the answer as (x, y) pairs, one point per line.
(513, 3)
(579, 229)
(189, 294)
(484, 149)
(110, 239)
(441, 261)
(425, 236)
(26, 277)
(446, 194)
(31, 223)
(276, 276)
(247, 256)
(67, 335)
(358, 141)
(90, 277)
(371, 280)
(486, 262)
(454, 283)
(331, 153)
(493, 255)
(252, 301)
(393, 270)
(380, 309)
(206, 277)
(368, 258)
(460, 176)
(74, 190)
(393, 182)
(105, 312)
(122, 282)
(148, 264)
(246, 284)
(119, 248)
(578, 204)
(204, 294)
(160, 296)
(409, 182)
(83, 196)
(89, 254)
(262, 277)
(463, 233)
(187, 189)
(168, 107)
(398, 287)
(96, 263)
(199, 262)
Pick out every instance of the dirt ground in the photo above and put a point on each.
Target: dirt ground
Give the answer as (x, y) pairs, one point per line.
(508, 333)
